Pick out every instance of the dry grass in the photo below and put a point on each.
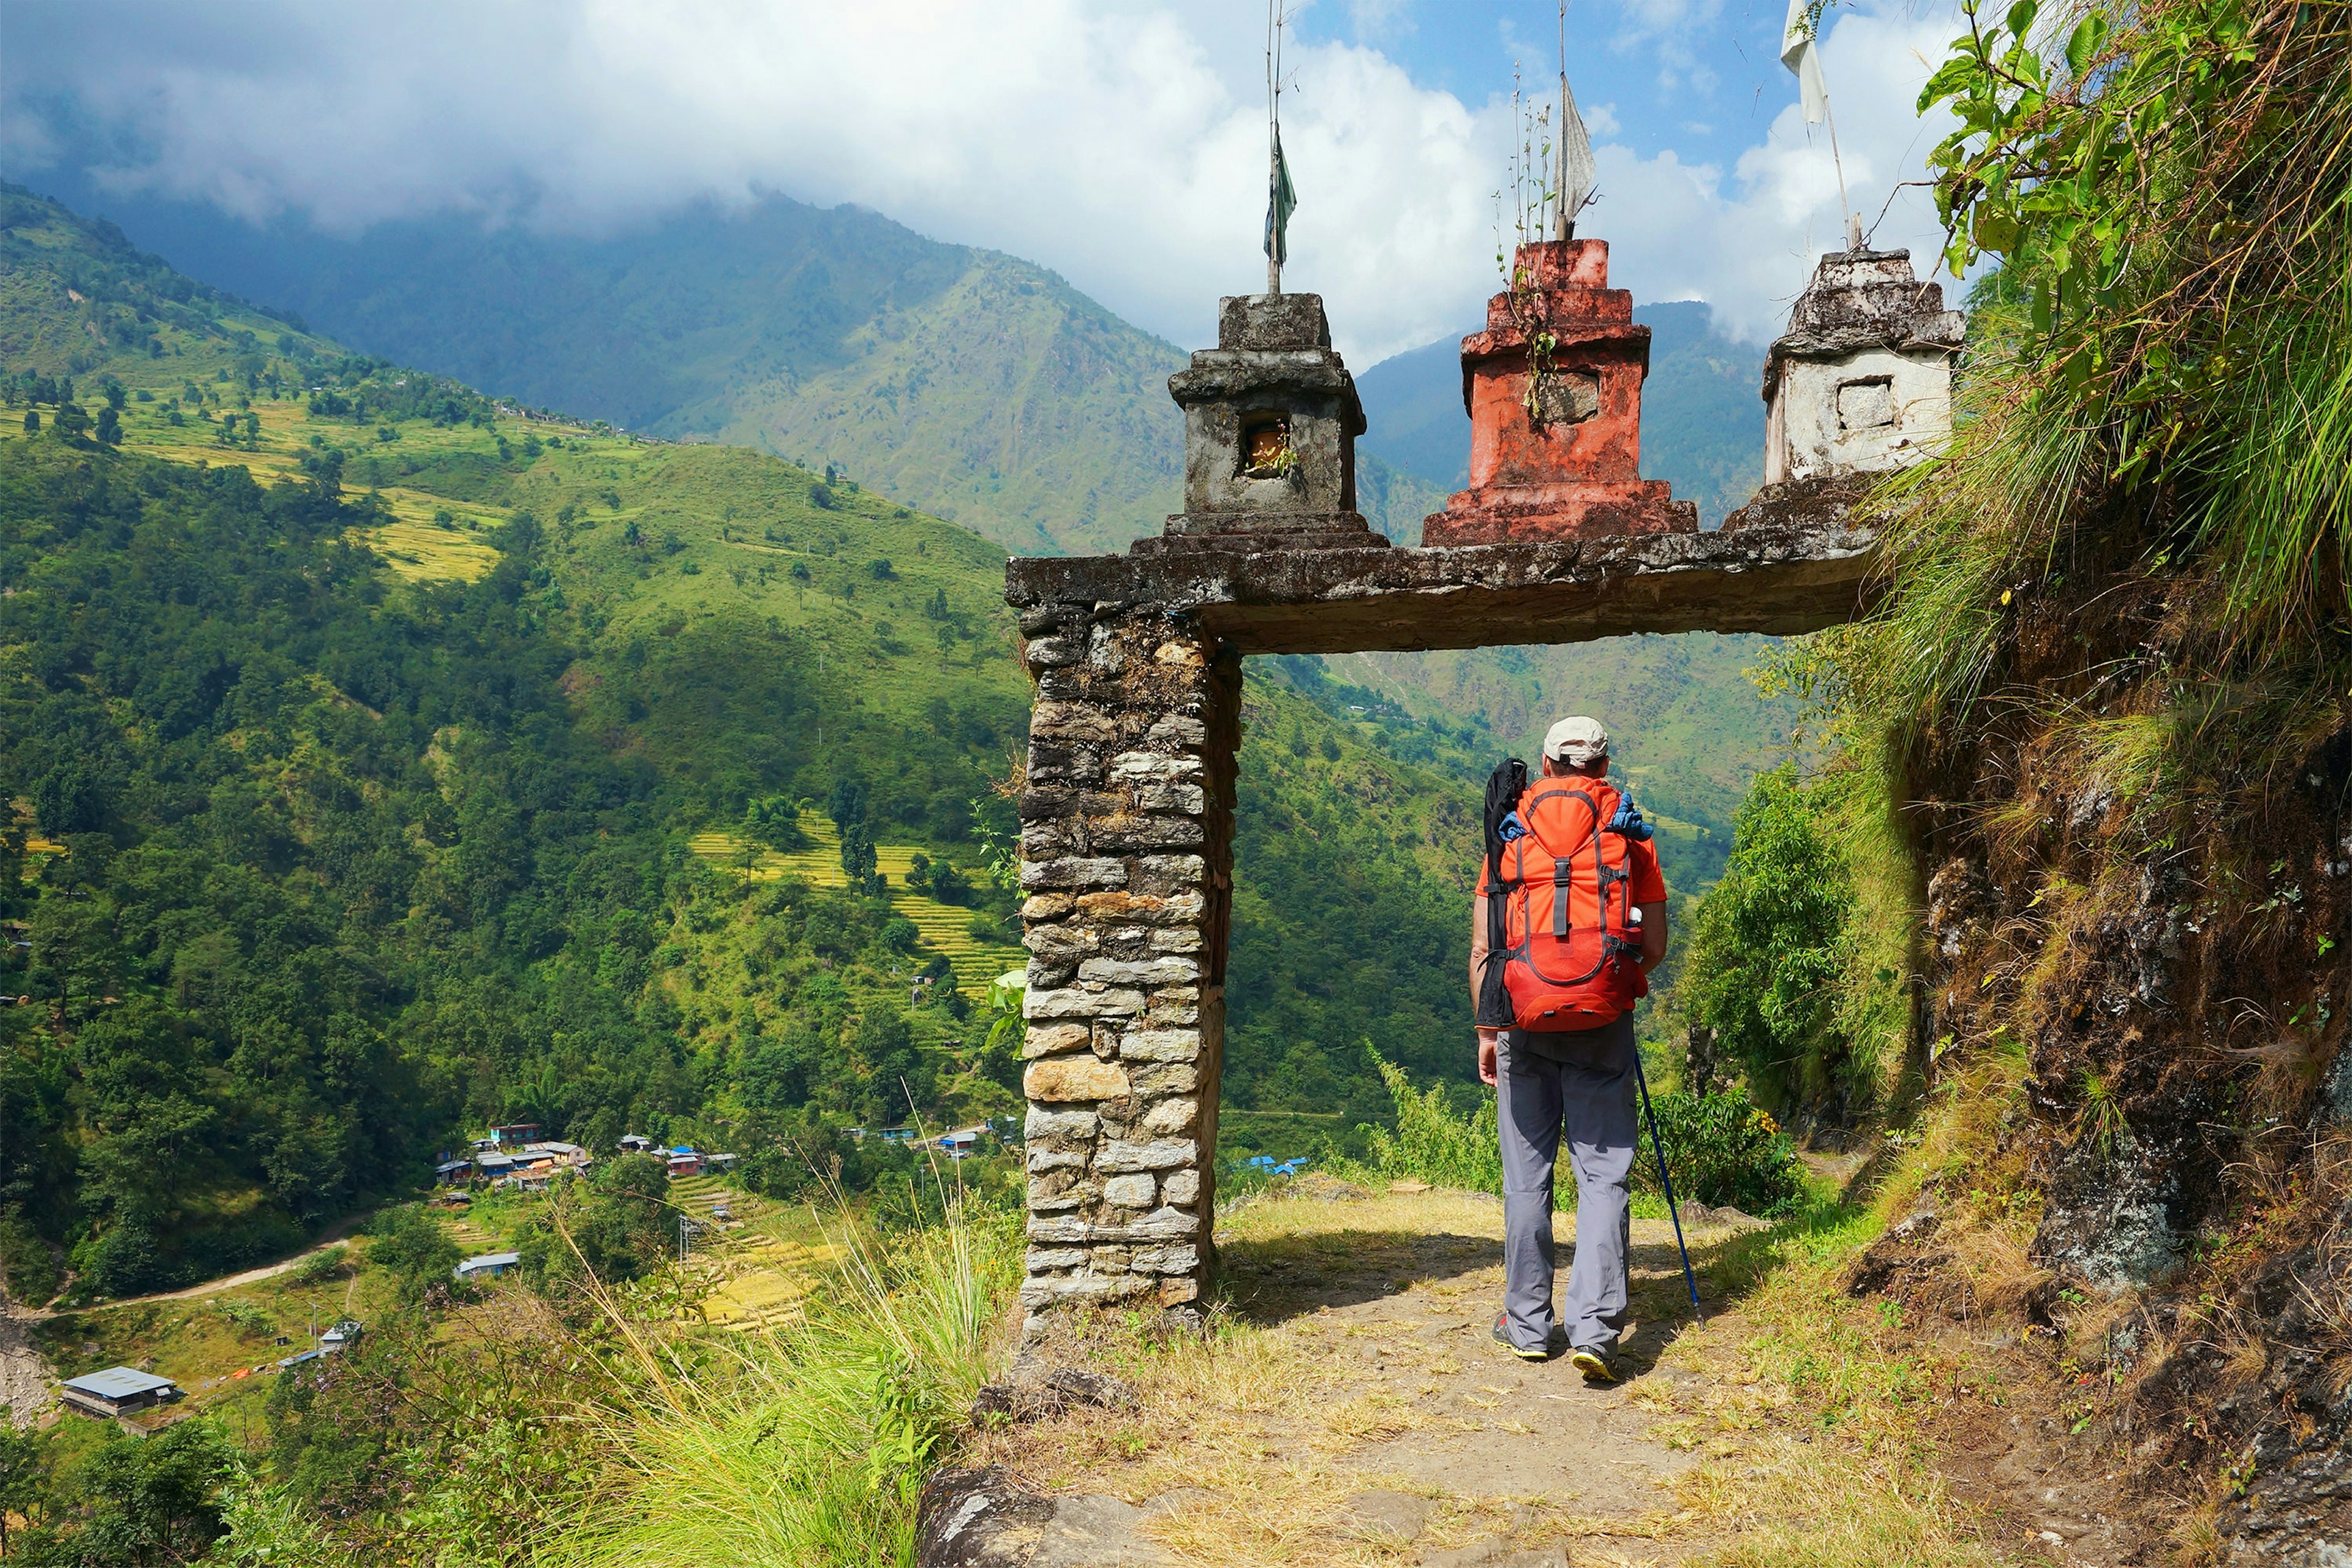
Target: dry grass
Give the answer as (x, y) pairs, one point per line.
(1253, 1437)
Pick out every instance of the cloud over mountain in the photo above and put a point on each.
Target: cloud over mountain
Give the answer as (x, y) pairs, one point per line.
(1122, 144)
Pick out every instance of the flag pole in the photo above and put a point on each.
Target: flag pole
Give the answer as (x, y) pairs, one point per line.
(1274, 132)
(1853, 225)
(1563, 222)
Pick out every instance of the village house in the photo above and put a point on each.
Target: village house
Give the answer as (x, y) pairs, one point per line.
(119, 1391)
(488, 1266)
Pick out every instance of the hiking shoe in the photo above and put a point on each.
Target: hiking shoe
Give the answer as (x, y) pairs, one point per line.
(1503, 1337)
(1597, 1363)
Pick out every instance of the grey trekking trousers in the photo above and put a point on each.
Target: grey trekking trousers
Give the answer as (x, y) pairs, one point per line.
(1574, 1087)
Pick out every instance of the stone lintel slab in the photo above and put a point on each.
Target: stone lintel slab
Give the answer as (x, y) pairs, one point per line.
(1775, 578)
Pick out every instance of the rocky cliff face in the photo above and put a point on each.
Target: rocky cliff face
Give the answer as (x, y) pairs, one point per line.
(2143, 968)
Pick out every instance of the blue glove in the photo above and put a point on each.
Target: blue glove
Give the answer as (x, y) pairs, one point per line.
(1628, 820)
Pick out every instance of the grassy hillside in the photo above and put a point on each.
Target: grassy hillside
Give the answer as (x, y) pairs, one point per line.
(465, 743)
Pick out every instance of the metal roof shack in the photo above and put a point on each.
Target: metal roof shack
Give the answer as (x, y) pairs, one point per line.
(118, 1391)
(492, 1263)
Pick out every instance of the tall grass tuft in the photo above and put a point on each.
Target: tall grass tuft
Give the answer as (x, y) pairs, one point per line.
(805, 1444)
(2160, 392)
(1433, 1143)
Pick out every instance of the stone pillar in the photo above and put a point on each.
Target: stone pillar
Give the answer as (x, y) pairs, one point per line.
(1126, 852)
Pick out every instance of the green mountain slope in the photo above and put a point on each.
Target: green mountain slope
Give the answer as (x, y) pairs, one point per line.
(962, 382)
(386, 763)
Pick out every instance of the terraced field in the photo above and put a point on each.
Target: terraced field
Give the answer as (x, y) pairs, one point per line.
(414, 544)
(946, 929)
(763, 1261)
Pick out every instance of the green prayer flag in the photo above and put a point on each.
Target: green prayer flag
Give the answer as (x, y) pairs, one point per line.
(1281, 201)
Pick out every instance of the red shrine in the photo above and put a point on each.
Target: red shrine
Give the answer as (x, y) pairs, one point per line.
(1565, 463)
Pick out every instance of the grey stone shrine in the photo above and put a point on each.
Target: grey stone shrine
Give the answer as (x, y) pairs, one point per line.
(1127, 815)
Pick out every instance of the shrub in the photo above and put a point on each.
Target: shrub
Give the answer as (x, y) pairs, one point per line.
(1723, 1152)
(318, 1267)
(1433, 1143)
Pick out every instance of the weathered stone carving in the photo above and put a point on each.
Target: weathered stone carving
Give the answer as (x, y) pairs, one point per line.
(1271, 419)
(1562, 461)
(1862, 381)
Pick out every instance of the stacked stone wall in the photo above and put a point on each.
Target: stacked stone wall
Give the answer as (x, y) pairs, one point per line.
(1127, 851)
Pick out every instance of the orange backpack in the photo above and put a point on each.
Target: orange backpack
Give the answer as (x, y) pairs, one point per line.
(1570, 951)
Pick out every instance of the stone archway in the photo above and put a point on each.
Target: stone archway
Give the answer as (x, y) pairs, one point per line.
(1128, 820)
(1127, 814)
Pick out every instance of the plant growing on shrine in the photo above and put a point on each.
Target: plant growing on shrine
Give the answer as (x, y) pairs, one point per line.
(1550, 180)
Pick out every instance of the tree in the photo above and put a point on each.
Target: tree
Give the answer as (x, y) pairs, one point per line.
(24, 1474)
(70, 422)
(109, 426)
(774, 821)
(619, 1221)
(157, 1498)
(1769, 943)
(412, 1247)
(895, 1075)
(325, 468)
(32, 420)
(857, 857)
(846, 803)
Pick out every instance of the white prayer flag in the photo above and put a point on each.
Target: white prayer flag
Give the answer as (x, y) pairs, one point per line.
(1575, 168)
(1800, 53)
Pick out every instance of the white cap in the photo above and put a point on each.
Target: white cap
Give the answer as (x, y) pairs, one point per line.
(1576, 741)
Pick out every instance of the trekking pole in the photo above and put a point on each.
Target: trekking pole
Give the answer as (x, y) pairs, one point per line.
(1668, 1182)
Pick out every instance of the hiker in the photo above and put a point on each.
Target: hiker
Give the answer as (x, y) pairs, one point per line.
(1556, 962)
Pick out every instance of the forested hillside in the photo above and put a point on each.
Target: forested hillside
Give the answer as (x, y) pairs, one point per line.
(361, 728)
(978, 387)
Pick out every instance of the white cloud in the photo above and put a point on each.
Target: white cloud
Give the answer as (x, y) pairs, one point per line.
(1122, 144)
(1748, 245)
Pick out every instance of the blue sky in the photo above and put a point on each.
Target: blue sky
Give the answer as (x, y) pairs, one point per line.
(1118, 142)
(1704, 80)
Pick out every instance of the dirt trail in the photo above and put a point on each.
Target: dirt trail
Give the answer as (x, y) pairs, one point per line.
(1360, 1413)
(335, 1235)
